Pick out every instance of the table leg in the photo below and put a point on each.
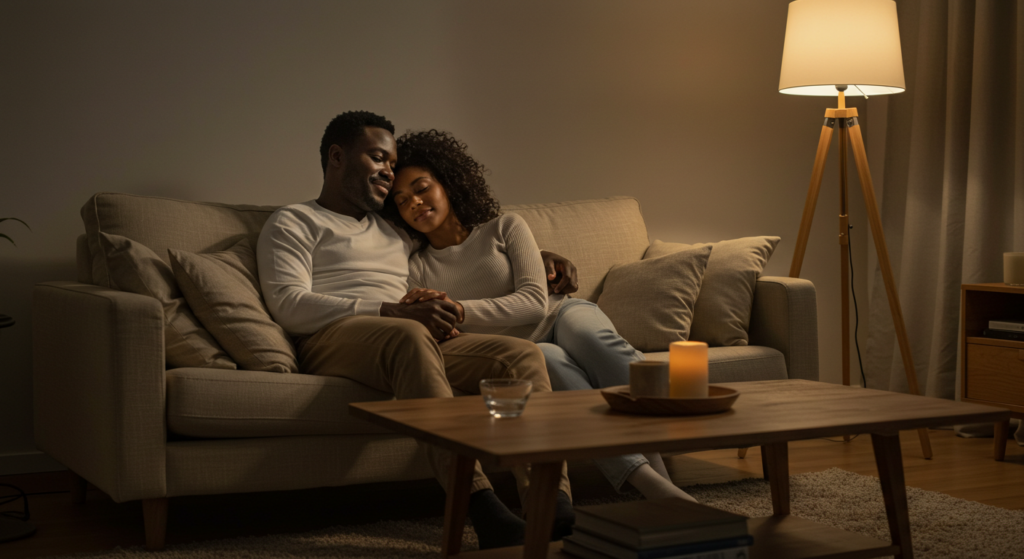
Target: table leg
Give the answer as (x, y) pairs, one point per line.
(540, 508)
(460, 479)
(1002, 431)
(889, 459)
(776, 460)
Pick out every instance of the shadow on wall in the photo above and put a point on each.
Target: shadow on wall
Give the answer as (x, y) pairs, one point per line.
(18, 273)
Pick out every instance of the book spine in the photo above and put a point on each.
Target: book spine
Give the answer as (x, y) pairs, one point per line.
(1006, 325)
(741, 552)
(1003, 334)
(702, 547)
(731, 553)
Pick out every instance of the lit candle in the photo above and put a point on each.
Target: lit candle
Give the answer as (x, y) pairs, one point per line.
(688, 369)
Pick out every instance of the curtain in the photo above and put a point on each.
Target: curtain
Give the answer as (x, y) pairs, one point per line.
(953, 188)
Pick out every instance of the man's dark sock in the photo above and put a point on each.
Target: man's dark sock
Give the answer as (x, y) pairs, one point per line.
(495, 525)
(565, 517)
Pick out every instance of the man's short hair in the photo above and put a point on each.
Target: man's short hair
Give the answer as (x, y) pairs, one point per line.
(346, 127)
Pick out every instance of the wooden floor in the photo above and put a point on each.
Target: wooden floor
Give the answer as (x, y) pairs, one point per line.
(962, 468)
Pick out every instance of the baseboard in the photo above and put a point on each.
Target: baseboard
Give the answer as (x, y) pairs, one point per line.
(28, 463)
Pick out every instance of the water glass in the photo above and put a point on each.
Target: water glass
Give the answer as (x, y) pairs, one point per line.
(505, 398)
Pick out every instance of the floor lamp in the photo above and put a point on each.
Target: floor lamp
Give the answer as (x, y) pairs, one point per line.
(833, 47)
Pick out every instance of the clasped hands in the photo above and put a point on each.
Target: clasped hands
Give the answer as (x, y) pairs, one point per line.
(440, 313)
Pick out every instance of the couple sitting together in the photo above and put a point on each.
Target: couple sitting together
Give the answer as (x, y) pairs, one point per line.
(405, 277)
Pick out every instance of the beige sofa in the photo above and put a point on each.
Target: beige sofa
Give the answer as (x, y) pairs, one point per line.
(108, 408)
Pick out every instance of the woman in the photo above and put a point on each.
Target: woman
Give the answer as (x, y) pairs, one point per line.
(489, 265)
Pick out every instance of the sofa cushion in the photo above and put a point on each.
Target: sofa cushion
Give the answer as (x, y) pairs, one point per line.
(739, 363)
(163, 223)
(224, 292)
(134, 268)
(651, 302)
(722, 315)
(209, 403)
(594, 234)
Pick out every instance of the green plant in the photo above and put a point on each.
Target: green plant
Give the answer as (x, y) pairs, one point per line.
(3, 219)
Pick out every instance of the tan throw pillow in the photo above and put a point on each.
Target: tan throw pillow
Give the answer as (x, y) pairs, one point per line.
(223, 290)
(651, 302)
(133, 267)
(722, 315)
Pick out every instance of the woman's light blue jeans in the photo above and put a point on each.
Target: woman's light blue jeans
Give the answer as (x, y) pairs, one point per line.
(583, 351)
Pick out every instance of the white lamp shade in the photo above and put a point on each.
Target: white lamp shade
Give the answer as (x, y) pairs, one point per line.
(842, 42)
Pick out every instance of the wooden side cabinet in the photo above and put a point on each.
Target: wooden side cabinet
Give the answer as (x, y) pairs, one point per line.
(992, 370)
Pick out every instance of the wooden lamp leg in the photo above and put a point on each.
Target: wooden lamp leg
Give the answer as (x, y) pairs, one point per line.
(874, 218)
(824, 142)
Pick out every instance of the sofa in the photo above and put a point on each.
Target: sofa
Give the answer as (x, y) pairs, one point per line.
(109, 408)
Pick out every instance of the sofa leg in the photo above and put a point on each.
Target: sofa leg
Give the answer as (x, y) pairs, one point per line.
(154, 514)
(78, 487)
(741, 452)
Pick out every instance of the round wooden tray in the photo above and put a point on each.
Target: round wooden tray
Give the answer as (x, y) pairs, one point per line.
(719, 399)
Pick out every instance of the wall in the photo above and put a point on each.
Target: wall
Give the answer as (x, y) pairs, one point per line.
(672, 102)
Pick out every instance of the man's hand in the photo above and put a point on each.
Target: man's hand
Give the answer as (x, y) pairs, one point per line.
(561, 273)
(438, 315)
(421, 294)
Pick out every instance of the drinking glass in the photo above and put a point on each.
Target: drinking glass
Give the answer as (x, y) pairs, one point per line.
(505, 398)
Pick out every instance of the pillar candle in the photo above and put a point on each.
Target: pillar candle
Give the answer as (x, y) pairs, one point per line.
(688, 369)
(1013, 268)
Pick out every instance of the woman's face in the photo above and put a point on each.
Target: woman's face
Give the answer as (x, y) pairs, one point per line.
(421, 200)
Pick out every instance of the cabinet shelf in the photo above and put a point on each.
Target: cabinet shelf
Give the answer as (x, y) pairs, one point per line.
(991, 369)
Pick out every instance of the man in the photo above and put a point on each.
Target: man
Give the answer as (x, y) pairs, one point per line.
(333, 271)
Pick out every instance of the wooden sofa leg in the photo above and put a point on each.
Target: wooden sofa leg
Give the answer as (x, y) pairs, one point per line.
(741, 452)
(78, 487)
(154, 515)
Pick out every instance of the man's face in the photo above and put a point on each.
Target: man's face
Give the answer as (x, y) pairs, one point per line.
(367, 168)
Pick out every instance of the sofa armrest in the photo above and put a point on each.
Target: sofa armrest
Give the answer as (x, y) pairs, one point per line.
(785, 317)
(99, 388)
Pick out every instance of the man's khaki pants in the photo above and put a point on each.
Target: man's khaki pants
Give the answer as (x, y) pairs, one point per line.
(399, 356)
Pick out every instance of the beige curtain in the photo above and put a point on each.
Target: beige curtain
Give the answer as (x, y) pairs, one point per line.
(953, 190)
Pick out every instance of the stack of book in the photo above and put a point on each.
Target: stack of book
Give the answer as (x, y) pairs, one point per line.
(658, 529)
(1005, 330)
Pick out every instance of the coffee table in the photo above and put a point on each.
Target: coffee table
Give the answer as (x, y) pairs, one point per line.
(576, 425)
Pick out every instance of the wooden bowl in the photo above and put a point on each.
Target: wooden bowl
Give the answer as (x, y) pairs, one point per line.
(719, 399)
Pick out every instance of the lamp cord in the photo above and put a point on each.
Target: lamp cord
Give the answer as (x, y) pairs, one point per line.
(856, 313)
(24, 515)
(856, 324)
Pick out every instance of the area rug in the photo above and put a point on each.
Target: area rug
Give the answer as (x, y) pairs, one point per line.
(942, 526)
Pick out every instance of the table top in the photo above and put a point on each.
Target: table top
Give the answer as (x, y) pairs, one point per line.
(579, 424)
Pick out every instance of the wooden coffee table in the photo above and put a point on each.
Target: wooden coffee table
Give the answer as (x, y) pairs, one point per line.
(576, 425)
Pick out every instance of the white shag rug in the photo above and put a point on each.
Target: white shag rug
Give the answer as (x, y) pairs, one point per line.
(942, 526)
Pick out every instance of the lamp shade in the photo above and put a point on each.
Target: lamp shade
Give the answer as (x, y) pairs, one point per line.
(842, 42)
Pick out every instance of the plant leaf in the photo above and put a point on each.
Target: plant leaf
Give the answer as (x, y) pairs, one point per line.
(8, 238)
(2, 219)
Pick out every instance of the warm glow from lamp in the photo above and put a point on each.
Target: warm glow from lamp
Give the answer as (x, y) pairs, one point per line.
(842, 42)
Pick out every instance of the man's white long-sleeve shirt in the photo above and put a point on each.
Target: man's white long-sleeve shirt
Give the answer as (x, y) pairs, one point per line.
(317, 266)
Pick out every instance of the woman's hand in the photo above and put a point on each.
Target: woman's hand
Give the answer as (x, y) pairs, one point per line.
(561, 273)
(421, 294)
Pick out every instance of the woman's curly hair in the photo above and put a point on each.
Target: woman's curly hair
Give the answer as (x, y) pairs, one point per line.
(461, 176)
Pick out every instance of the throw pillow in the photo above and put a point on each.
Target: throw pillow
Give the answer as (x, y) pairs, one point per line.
(651, 302)
(133, 267)
(223, 290)
(722, 314)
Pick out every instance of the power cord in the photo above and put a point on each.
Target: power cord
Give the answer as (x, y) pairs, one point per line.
(856, 313)
(856, 322)
(24, 515)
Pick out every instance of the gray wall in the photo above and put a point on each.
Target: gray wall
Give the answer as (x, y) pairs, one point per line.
(673, 102)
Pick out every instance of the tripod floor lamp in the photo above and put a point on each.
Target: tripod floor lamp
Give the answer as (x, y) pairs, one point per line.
(833, 47)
